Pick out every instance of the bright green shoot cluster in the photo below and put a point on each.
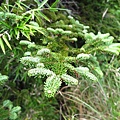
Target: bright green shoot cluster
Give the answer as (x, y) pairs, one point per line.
(101, 42)
(53, 67)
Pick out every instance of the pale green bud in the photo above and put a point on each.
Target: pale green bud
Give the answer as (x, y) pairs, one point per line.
(40, 72)
(83, 56)
(39, 65)
(51, 86)
(27, 54)
(43, 51)
(24, 42)
(69, 80)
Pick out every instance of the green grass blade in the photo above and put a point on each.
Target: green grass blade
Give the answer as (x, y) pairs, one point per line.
(18, 4)
(54, 5)
(5, 24)
(43, 3)
(2, 45)
(6, 41)
(44, 16)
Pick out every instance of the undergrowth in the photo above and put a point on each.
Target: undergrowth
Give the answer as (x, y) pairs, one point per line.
(54, 67)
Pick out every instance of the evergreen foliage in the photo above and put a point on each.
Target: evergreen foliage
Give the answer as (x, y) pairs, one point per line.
(59, 67)
(13, 111)
(3, 79)
(55, 59)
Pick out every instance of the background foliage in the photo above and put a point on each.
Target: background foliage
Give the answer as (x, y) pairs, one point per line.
(59, 60)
